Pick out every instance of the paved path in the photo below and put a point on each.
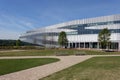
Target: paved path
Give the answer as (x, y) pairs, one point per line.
(11, 50)
(45, 70)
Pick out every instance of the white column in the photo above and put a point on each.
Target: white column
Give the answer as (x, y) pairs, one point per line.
(75, 45)
(98, 45)
(79, 45)
(72, 44)
(118, 46)
(84, 44)
(89, 45)
(68, 45)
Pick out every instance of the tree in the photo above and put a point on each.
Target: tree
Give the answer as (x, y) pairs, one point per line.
(18, 42)
(104, 38)
(62, 39)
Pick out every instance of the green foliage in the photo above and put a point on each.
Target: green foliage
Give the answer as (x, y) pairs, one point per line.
(62, 40)
(14, 43)
(20, 47)
(104, 38)
(7, 42)
(18, 42)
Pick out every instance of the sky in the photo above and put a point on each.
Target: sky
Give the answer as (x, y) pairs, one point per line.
(19, 16)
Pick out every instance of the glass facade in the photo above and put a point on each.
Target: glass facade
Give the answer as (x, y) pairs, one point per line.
(80, 28)
(77, 32)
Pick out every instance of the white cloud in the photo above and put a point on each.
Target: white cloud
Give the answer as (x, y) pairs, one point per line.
(16, 22)
(11, 27)
(6, 34)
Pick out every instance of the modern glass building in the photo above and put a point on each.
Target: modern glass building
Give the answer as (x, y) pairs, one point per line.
(80, 33)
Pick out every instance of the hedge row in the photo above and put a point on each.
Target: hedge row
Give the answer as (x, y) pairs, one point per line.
(21, 47)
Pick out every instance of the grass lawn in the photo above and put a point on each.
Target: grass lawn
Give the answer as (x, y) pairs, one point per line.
(50, 52)
(13, 65)
(97, 68)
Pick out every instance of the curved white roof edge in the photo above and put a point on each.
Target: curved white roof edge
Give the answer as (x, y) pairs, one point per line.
(83, 21)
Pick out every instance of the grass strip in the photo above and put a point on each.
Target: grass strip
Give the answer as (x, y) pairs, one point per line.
(97, 68)
(13, 65)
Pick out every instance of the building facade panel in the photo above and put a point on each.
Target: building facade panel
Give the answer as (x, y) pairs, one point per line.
(80, 33)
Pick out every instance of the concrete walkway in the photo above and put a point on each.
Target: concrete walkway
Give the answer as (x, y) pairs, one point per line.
(42, 71)
(11, 50)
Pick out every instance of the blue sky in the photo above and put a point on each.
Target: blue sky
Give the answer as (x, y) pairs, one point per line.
(18, 16)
